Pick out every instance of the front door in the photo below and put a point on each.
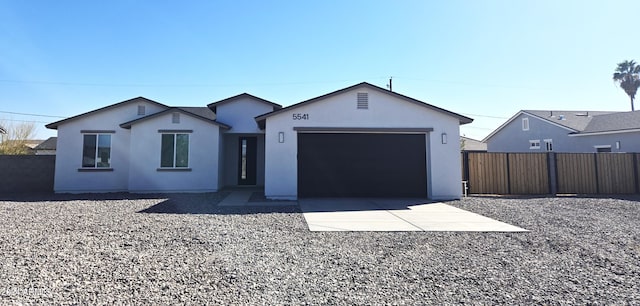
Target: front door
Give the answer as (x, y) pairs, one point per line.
(247, 160)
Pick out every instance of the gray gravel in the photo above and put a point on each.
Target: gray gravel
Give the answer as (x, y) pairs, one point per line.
(115, 249)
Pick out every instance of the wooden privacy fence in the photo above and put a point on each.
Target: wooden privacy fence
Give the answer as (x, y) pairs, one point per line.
(551, 173)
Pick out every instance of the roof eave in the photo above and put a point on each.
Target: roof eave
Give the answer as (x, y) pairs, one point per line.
(127, 125)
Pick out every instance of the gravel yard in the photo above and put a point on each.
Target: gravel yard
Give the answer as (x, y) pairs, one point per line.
(116, 249)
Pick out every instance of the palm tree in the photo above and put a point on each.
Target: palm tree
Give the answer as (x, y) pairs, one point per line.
(627, 76)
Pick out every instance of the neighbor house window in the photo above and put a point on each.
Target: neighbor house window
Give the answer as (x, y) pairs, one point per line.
(96, 151)
(534, 144)
(548, 143)
(174, 151)
(603, 149)
(525, 124)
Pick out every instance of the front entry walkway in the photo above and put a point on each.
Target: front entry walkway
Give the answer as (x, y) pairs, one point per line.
(387, 215)
(246, 196)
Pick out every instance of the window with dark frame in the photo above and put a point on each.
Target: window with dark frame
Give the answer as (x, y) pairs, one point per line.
(174, 151)
(534, 144)
(96, 151)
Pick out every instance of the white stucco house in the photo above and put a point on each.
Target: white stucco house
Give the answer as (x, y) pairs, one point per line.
(360, 141)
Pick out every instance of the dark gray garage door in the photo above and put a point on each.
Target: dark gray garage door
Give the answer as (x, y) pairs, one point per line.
(361, 165)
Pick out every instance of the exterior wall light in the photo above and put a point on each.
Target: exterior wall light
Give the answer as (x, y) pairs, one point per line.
(444, 138)
(281, 137)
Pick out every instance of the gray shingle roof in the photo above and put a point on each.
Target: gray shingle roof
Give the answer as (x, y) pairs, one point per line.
(49, 144)
(204, 112)
(575, 120)
(613, 122)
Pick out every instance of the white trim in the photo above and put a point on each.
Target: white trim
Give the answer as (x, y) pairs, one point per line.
(525, 123)
(548, 144)
(605, 133)
(531, 115)
(603, 147)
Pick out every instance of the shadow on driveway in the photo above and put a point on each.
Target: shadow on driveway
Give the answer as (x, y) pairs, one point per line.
(189, 205)
(360, 204)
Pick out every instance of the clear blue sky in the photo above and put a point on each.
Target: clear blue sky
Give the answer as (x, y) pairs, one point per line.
(478, 58)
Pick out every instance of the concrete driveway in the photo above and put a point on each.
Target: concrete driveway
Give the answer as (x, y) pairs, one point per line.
(387, 215)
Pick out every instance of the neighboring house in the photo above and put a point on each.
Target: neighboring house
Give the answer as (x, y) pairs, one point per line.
(360, 141)
(470, 144)
(567, 131)
(47, 147)
(24, 147)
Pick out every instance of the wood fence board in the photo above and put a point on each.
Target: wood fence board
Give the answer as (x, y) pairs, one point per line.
(488, 173)
(615, 173)
(528, 173)
(637, 171)
(576, 173)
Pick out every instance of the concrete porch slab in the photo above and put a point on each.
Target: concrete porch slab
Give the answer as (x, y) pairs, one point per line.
(242, 198)
(395, 215)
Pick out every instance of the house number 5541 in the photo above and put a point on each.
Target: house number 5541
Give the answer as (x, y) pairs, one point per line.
(299, 116)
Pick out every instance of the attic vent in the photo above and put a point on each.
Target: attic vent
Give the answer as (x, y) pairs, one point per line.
(363, 100)
(141, 110)
(175, 118)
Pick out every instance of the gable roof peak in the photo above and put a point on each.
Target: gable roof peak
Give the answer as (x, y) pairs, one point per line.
(54, 125)
(261, 120)
(214, 105)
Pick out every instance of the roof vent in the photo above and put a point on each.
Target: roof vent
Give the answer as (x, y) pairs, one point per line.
(141, 110)
(175, 118)
(363, 100)
(561, 117)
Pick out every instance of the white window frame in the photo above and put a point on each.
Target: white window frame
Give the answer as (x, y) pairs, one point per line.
(96, 158)
(532, 144)
(548, 144)
(525, 124)
(175, 151)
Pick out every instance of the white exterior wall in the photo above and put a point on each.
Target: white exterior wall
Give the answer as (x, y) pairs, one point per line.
(385, 111)
(240, 115)
(146, 150)
(69, 150)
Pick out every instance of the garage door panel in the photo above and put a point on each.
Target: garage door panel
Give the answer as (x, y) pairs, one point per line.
(361, 165)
